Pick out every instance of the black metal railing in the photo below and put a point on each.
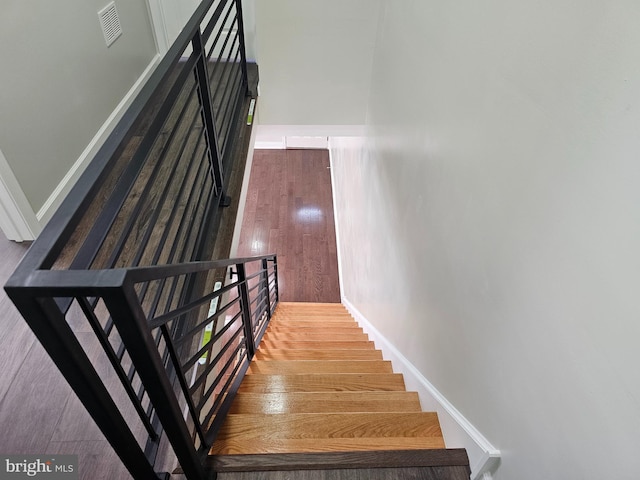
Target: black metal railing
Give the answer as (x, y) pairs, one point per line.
(126, 257)
(168, 376)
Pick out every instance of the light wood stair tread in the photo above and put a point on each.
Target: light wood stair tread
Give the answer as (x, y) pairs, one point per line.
(330, 425)
(310, 306)
(314, 320)
(280, 354)
(310, 445)
(283, 367)
(346, 328)
(327, 336)
(321, 382)
(325, 402)
(268, 343)
(317, 386)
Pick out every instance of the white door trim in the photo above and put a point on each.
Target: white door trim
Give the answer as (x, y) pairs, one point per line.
(159, 25)
(18, 221)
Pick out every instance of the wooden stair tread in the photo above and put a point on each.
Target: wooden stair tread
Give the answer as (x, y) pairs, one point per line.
(325, 402)
(313, 320)
(281, 328)
(318, 389)
(320, 382)
(280, 354)
(268, 343)
(311, 445)
(284, 367)
(327, 336)
(310, 304)
(305, 426)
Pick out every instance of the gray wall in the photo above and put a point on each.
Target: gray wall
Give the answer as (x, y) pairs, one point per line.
(315, 60)
(59, 82)
(490, 221)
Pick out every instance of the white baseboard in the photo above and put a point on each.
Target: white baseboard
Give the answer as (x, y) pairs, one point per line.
(17, 219)
(335, 217)
(458, 432)
(302, 136)
(235, 241)
(64, 187)
(276, 143)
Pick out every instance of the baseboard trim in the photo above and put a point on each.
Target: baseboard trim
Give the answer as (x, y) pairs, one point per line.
(274, 136)
(64, 187)
(17, 219)
(458, 432)
(244, 190)
(335, 218)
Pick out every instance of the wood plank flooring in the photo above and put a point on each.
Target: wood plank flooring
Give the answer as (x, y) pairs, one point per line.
(293, 401)
(289, 211)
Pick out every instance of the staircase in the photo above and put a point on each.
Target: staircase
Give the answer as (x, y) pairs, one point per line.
(319, 395)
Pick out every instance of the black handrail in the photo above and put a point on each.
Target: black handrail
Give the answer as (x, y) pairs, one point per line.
(136, 274)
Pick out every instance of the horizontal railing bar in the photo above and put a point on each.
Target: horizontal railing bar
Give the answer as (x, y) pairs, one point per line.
(202, 325)
(161, 319)
(115, 363)
(205, 37)
(87, 283)
(46, 248)
(102, 225)
(205, 219)
(216, 381)
(233, 116)
(235, 97)
(222, 49)
(202, 377)
(232, 80)
(189, 214)
(173, 355)
(156, 272)
(254, 287)
(259, 310)
(199, 172)
(159, 208)
(192, 360)
(206, 32)
(108, 327)
(71, 283)
(229, 144)
(150, 183)
(262, 291)
(121, 351)
(255, 274)
(174, 246)
(189, 363)
(236, 377)
(227, 71)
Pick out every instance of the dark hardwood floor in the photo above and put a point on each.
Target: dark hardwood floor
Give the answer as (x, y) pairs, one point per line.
(289, 211)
